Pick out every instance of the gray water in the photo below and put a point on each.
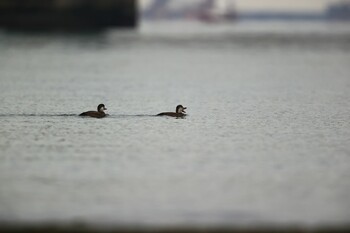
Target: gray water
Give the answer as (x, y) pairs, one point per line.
(266, 139)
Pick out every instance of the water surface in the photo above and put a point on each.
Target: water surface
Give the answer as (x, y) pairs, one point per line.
(266, 139)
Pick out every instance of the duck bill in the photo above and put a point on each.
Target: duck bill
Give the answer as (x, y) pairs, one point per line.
(105, 108)
(183, 110)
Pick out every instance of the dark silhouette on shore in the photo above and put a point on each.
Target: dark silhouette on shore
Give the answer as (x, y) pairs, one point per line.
(67, 15)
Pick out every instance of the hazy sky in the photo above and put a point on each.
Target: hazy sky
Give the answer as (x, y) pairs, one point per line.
(285, 5)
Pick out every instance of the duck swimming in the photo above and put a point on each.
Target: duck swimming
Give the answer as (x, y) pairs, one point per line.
(180, 112)
(99, 114)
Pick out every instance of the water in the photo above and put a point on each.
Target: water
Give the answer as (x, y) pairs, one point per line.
(266, 140)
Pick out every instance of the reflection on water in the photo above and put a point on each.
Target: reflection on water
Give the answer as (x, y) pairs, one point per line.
(265, 141)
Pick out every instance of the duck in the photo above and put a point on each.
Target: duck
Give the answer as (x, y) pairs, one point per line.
(180, 112)
(99, 114)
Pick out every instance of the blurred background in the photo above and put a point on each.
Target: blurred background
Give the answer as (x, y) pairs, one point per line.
(265, 144)
(231, 10)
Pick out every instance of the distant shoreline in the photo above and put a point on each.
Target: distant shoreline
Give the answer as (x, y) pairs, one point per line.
(292, 16)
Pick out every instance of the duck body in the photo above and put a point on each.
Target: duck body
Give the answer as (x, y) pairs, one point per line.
(96, 114)
(93, 114)
(171, 114)
(180, 112)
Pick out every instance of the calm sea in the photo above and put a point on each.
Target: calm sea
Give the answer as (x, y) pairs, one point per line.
(266, 139)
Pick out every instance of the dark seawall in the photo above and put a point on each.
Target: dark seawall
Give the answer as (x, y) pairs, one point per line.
(67, 14)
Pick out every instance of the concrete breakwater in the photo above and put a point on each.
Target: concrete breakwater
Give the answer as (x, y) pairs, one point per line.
(67, 14)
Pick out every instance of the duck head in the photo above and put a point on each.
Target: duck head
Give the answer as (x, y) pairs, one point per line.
(180, 109)
(101, 108)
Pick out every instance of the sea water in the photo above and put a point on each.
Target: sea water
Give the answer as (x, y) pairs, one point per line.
(266, 139)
